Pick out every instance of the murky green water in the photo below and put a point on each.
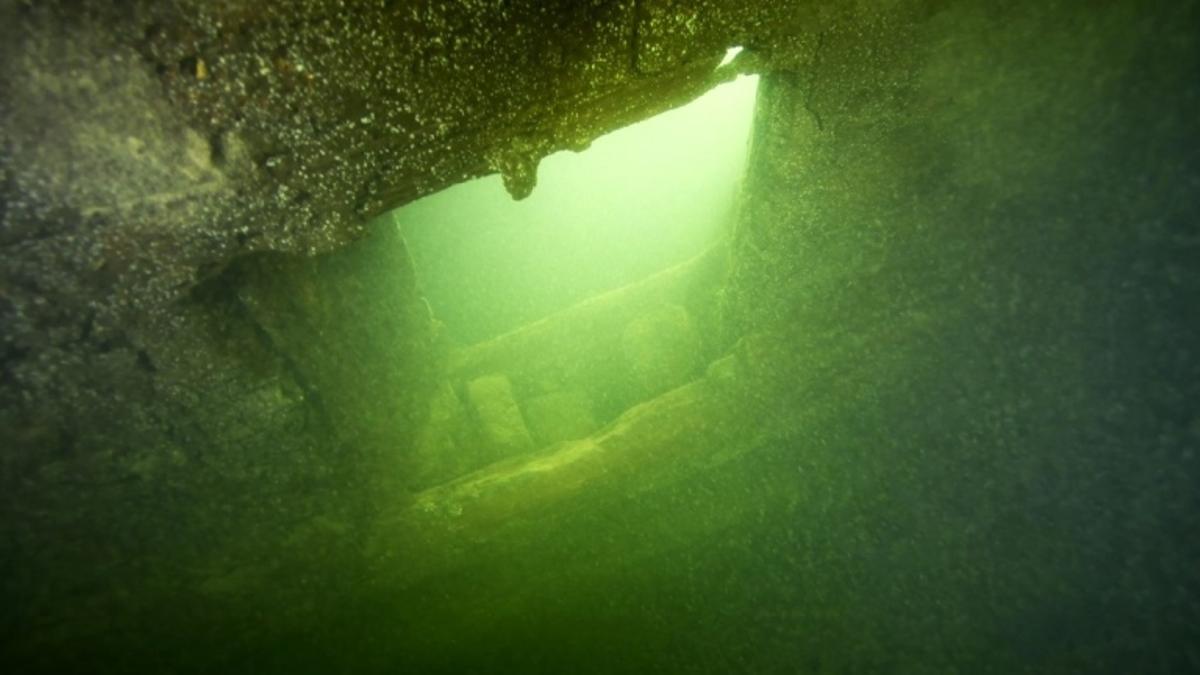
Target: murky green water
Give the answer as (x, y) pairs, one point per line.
(635, 202)
(881, 360)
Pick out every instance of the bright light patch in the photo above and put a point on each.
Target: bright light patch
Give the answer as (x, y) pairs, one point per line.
(638, 200)
(730, 55)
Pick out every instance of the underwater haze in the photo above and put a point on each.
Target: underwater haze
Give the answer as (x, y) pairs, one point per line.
(636, 201)
(882, 358)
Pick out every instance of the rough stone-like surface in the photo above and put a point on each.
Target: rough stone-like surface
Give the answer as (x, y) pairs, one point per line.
(172, 415)
(958, 435)
(224, 469)
(976, 228)
(964, 275)
(357, 335)
(148, 144)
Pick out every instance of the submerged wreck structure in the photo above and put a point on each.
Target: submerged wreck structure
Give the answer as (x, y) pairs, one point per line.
(930, 407)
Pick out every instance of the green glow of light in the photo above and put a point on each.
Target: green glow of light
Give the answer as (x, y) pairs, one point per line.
(638, 200)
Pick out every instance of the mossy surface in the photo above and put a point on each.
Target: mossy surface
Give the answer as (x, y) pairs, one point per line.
(972, 228)
(948, 422)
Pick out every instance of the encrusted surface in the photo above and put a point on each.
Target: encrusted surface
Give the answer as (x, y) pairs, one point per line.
(164, 168)
(958, 433)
